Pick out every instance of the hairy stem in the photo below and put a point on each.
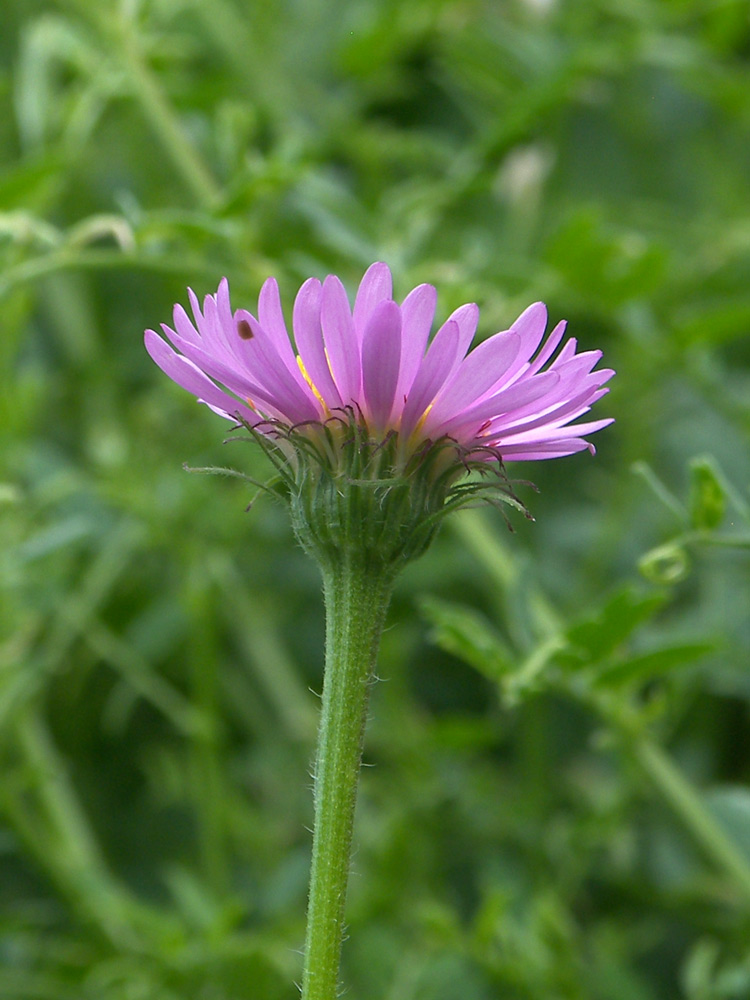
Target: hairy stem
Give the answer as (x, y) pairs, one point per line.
(356, 598)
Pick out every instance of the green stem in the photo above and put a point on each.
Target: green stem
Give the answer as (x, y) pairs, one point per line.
(356, 599)
(66, 846)
(165, 123)
(688, 804)
(209, 792)
(68, 259)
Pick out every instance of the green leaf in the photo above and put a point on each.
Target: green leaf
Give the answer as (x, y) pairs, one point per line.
(598, 636)
(468, 635)
(644, 666)
(708, 499)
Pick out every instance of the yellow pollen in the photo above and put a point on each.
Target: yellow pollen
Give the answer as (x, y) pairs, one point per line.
(422, 419)
(310, 382)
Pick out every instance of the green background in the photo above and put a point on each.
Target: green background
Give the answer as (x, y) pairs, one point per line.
(557, 807)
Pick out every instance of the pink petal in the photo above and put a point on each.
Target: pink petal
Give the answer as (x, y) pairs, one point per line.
(190, 377)
(544, 434)
(548, 348)
(375, 286)
(555, 416)
(217, 338)
(417, 314)
(271, 318)
(478, 372)
(341, 344)
(296, 401)
(496, 407)
(309, 338)
(530, 327)
(381, 357)
(197, 311)
(443, 356)
(217, 368)
(224, 307)
(184, 326)
(466, 317)
(573, 380)
(567, 353)
(553, 449)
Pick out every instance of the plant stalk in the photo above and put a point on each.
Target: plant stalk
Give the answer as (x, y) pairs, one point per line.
(693, 811)
(356, 598)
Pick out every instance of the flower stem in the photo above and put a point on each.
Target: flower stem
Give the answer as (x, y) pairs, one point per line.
(357, 598)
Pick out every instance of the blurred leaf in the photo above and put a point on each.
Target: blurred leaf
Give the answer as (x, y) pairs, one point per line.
(30, 184)
(468, 635)
(714, 323)
(731, 807)
(593, 639)
(707, 497)
(710, 975)
(657, 662)
(56, 536)
(603, 262)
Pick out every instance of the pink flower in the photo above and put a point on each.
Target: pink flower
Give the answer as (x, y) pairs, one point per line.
(513, 397)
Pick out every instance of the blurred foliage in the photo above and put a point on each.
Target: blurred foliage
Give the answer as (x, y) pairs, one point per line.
(571, 819)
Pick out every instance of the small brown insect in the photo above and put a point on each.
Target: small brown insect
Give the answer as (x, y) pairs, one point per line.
(244, 330)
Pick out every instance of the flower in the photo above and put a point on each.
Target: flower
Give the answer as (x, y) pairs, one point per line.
(371, 427)
(511, 398)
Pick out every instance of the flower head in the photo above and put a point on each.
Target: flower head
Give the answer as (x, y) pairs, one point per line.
(369, 395)
(511, 394)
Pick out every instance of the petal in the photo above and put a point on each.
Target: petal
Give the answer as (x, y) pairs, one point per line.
(224, 307)
(555, 416)
(296, 401)
(446, 352)
(530, 327)
(567, 353)
(478, 372)
(217, 338)
(574, 384)
(544, 434)
(341, 344)
(548, 347)
(184, 326)
(443, 357)
(417, 314)
(197, 311)
(551, 449)
(308, 336)
(375, 286)
(381, 358)
(190, 377)
(466, 318)
(228, 374)
(271, 318)
(496, 407)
